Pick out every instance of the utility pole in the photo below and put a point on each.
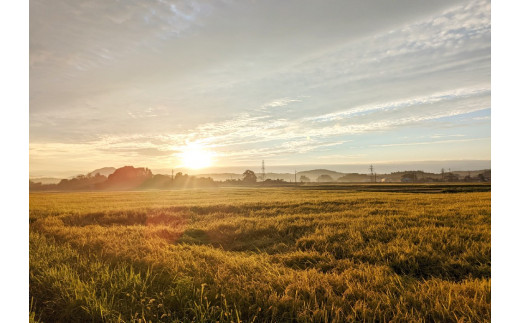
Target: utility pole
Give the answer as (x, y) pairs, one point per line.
(295, 183)
(263, 170)
(172, 175)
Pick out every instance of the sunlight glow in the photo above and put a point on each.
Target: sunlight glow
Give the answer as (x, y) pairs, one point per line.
(195, 156)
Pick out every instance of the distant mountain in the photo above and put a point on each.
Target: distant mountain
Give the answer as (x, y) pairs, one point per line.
(105, 171)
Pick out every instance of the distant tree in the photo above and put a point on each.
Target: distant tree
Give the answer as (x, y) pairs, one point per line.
(450, 177)
(249, 176)
(271, 182)
(41, 187)
(35, 186)
(409, 177)
(180, 177)
(325, 178)
(127, 177)
(354, 177)
(157, 181)
(304, 179)
(180, 180)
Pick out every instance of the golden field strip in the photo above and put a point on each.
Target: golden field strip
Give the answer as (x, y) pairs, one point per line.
(260, 254)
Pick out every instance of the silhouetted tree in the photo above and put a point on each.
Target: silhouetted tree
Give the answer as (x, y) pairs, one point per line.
(249, 177)
(304, 179)
(81, 182)
(181, 179)
(127, 177)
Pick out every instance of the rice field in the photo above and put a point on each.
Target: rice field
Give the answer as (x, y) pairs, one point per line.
(260, 255)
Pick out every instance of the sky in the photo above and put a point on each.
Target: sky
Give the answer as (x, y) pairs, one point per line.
(116, 83)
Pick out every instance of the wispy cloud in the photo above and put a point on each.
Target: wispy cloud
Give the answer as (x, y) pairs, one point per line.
(280, 102)
(431, 142)
(145, 79)
(341, 157)
(437, 136)
(409, 102)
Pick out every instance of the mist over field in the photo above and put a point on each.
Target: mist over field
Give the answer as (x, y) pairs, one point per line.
(427, 166)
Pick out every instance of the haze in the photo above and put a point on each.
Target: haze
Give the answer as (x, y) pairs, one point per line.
(116, 83)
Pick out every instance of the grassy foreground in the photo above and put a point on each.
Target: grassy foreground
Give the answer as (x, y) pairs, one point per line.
(262, 255)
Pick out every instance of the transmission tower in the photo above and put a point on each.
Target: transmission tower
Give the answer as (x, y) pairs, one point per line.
(371, 168)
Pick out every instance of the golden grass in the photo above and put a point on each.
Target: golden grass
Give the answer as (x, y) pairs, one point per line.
(263, 255)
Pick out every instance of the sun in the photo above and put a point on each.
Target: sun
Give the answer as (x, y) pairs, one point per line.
(195, 156)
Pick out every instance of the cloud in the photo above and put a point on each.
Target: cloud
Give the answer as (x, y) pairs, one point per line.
(408, 102)
(436, 136)
(252, 79)
(280, 102)
(341, 157)
(284, 137)
(431, 142)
